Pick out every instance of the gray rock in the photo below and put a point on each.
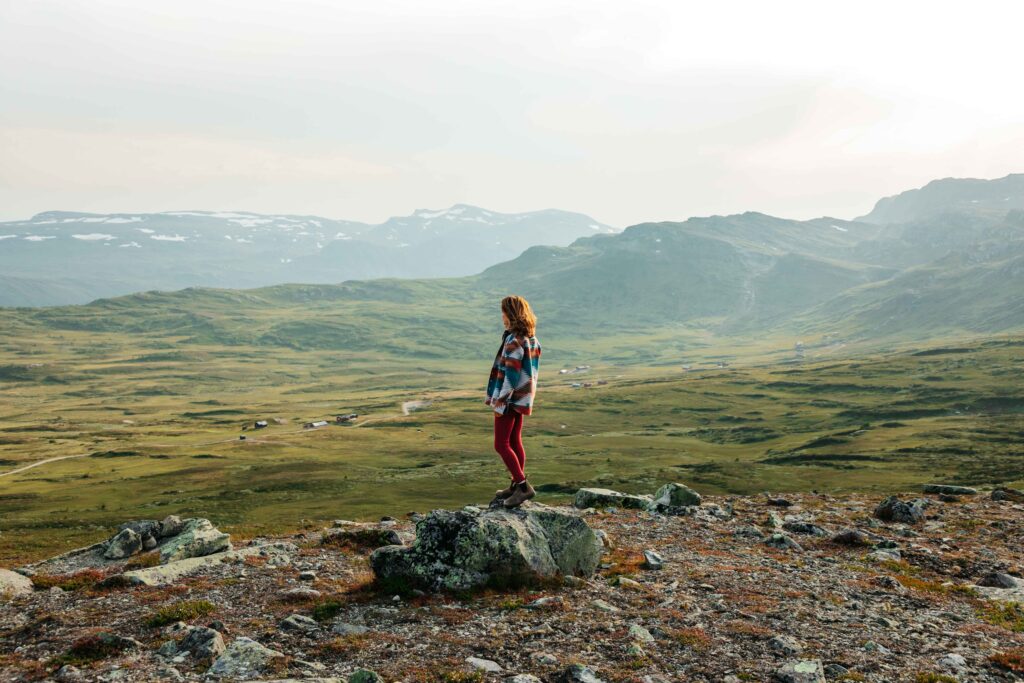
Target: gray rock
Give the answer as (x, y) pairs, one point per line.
(652, 560)
(749, 531)
(782, 542)
(949, 490)
(998, 580)
(202, 642)
(578, 673)
(545, 658)
(835, 670)
(522, 678)
(852, 537)
(785, 645)
(124, 544)
(68, 673)
(171, 526)
(198, 537)
(455, 550)
(892, 509)
(298, 622)
(13, 584)
(639, 634)
(307, 576)
(952, 662)
(344, 628)
(485, 665)
(676, 495)
(803, 671)
(773, 520)
(300, 593)
(602, 498)
(885, 555)
(604, 606)
(245, 659)
(365, 676)
(1013, 495)
(808, 528)
(168, 649)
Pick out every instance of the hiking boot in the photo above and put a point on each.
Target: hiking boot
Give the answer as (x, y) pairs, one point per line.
(505, 493)
(523, 492)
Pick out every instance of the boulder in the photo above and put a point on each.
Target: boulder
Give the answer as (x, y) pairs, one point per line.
(202, 642)
(1013, 495)
(782, 542)
(892, 509)
(124, 544)
(803, 671)
(245, 659)
(198, 537)
(171, 526)
(676, 495)
(801, 527)
(13, 584)
(602, 498)
(298, 622)
(949, 490)
(459, 550)
(578, 673)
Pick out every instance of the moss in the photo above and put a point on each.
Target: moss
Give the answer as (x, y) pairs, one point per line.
(326, 610)
(1009, 615)
(87, 578)
(185, 610)
(933, 678)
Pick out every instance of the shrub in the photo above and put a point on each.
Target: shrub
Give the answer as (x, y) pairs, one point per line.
(1012, 660)
(185, 610)
(327, 610)
(87, 578)
(1009, 615)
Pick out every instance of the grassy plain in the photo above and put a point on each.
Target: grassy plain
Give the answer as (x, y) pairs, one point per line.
(156, 422)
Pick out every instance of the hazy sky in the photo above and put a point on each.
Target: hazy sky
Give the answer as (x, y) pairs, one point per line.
(628, 111)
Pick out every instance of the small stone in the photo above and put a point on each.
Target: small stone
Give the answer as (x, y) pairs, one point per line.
(547, 602)
(852, 537)
(343, 628)
(299, 594)
(307, 576)
(522, 678)
(835, 670)
(652, 560)
(544, 658)
(804, 528)
(640, 634)
(872, 646)
(780, 502)
(68, 673)
(782, 542)
(749, 531)
(604, 606)
(952, 662)
(365, 676)
(485, 665)
(785, 645)
(168, 649)
(628, 583)
(803, 671)
(773, 520)
(171, 526)
(578, 673)
(298, 622)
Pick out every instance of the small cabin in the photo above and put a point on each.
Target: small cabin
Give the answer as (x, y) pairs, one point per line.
(259, 424)
(314, 425)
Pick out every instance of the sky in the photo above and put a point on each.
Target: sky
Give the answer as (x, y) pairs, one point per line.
(626, 111)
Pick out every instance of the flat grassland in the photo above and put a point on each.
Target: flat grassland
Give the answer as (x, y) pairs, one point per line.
(154, 426)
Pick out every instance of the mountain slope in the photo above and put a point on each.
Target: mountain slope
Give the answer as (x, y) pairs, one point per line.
(951, 194)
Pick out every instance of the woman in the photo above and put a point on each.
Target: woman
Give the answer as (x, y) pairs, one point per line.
(510, 391)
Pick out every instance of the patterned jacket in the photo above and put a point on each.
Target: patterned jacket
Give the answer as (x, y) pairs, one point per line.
(513, 379)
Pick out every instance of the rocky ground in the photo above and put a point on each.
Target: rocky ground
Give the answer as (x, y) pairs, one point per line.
(922, 588)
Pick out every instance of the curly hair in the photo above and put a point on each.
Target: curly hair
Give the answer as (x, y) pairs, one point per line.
(521, 319)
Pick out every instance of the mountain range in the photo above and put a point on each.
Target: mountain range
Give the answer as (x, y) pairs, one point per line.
(60, 257)
(947, 266)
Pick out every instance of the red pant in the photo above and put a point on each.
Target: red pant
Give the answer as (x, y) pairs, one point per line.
(508, 441)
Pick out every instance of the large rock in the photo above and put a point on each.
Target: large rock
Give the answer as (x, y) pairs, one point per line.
(245, 659)
(198, 537)
(458, 550)
(892, 509)
(600, 498)
(676, 495)
(167, 574)
(1015, 495)
(950, 490)
(125, 544)
(13, 584)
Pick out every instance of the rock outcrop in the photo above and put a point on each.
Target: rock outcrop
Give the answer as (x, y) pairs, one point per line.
(459, 550)
(13, 584)
(602, 498)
